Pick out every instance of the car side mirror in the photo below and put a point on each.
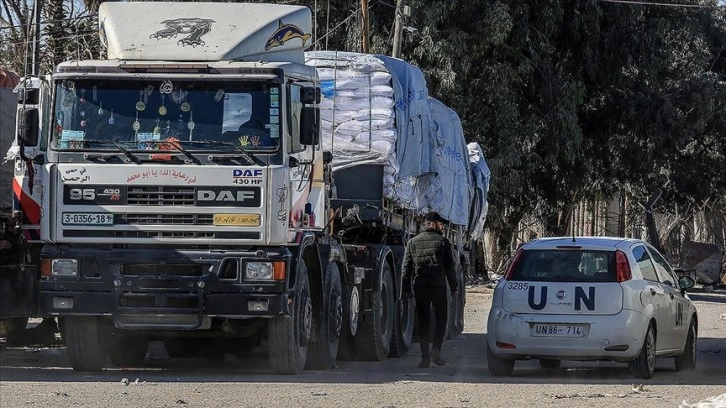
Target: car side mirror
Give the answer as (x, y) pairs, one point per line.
(686, 282)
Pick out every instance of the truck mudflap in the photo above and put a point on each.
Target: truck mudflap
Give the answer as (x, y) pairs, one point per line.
(182, 293)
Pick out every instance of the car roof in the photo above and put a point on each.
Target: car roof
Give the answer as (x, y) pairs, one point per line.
(599, 243)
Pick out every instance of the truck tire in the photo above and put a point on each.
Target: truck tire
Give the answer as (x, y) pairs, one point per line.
(403, 324)
(13, 328)
(327, 323)
(288, 336)
(456, 306)
(351, 311)
(127, 350)
(85, 349)
(373, 340)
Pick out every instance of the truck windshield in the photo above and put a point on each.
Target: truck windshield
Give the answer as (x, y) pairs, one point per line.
(148, 114)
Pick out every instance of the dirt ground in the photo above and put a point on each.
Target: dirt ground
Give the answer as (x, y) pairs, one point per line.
(42, 377)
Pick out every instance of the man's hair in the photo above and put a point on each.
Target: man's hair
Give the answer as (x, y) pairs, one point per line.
(433, 216)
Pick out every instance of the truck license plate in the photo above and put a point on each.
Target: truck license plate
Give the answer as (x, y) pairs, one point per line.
(87, 219)
(558, 330)
(244, 220)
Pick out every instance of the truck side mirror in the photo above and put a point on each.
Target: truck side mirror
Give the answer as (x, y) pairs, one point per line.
(310, 95)
(327, 157)
(309, 126)
(28, 96)
(29, 134)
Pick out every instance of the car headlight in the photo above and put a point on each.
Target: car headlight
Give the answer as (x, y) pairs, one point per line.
(64, 267)
(259, 270)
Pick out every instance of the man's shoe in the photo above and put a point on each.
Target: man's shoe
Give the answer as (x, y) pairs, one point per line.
(424, 364)
(436, 358)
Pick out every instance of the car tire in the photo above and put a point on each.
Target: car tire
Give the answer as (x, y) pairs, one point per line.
(549, 363)
(644, 364)
(499, 367)
(687, 360)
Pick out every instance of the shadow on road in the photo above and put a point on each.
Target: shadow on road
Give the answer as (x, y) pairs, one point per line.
(466, 364)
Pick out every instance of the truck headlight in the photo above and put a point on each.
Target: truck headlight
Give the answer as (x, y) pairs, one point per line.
(258, 270)
(265, 270)
(64, 267)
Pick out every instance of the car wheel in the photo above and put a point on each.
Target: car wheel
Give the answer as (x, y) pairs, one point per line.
(497, 366)
(687, 360)
(644, 364)
(549, 364)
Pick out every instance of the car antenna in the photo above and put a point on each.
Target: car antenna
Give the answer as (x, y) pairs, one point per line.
(573, 237)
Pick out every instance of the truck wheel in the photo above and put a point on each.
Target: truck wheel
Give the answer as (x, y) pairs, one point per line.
(126, 350)
(288, 336)
(402, 327)
(644, 364)
(456, 306)
(13, 329)
(499, 367)
(351, 308)
(328, 323)
(83, 342)
(687, 360)
(373, 341)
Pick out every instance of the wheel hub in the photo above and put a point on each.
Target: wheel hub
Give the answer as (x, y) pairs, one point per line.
(306, 314)
(354, 305)
(336, 321)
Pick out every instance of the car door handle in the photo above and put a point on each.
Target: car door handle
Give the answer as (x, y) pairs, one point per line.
(652, 291)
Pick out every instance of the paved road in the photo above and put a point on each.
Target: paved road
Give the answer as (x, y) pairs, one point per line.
(41, 377)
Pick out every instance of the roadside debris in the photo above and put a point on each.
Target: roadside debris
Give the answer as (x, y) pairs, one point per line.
(319, 393)
(585, 395)
(718, 401)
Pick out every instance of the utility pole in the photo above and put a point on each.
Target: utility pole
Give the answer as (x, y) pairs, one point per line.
(364, 22)
(398, 30)
(36, 37)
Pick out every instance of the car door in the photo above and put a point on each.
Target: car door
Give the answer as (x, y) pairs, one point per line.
(653, 294)
(676, 303)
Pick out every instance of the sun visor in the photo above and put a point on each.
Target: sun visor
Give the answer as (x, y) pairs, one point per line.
(168, 31)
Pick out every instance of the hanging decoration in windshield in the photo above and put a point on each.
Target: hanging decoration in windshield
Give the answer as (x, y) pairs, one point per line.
(141, 115)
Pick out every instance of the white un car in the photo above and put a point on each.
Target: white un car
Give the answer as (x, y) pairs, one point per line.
(591, 298)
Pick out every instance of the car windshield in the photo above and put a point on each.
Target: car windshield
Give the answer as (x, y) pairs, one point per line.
(147, 114)
(565, 266)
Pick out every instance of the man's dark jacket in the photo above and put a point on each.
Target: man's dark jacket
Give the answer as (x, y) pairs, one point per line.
(428, 262)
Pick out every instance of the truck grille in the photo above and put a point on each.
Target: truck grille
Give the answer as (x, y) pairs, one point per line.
(160, 195)
(167, 270)
(169, 219)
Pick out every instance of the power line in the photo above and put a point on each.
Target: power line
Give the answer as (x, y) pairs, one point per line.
(649, 3)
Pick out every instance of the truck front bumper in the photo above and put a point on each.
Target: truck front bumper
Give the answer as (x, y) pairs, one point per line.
(162, 288)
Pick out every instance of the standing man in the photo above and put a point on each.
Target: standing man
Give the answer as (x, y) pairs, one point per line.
(428, 263)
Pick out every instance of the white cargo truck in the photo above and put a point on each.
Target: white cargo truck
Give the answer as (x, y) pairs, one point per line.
(184, 195)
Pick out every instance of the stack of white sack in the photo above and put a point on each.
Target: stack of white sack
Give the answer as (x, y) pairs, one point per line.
(358, 117)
